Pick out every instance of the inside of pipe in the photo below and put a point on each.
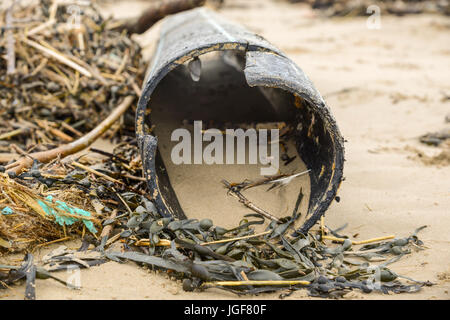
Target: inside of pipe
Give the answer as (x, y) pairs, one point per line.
(222, 99)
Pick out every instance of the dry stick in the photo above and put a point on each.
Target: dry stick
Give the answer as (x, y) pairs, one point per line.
(322, 226)
(255, 208)
(123, 201)
(58, 133)
(81, 166)
(108, 154)
(71, 129)
(11, 134)
(107, 230)
(281, 178)
(123, 63)
(359, 242)
(77, 145)
(39, 67)
(249, 204)
(128, 176)
(90, 170)
(58, 56)
(41, 27)
(7, 157)
(20, 151)
(133, 84)
(80, 39)
(244, 276)
(113, 157)
(112, 239)
(373, 240)
(256, 283)
(92, 69)
(161, 243)
(50, 242)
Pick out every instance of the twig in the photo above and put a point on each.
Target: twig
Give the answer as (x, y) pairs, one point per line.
(11, 134)
(71, 129)
(281, 179)
(41, 65)
(41, 27)
(374, 240)
(80, 39)
(242, 199)
(7, 157)
(108, 154)
(322, 226)
(58, 56)
(77, 145)
(90, 170)
(112, 239)
(51, 242)
(92, 69)
(243, 275)
(58, 133)
(359, 242)
(123, 201)
(123, 63)
(146, 243)
(133, 84)
(129, 176)
(107, 230)
(20, 151)
(256, 283)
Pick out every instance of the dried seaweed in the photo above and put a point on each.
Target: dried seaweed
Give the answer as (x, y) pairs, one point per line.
(353, 8)
(68, 76)
(237, 260)
(58, 82)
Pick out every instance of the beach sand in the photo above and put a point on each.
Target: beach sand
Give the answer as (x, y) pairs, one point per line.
(385, 88)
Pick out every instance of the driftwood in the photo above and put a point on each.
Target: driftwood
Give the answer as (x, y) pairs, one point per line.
(158, 10)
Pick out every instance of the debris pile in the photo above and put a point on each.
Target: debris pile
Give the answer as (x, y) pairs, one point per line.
(53, 202)
(65, 71)
(261, 254)
(245, 262)
(238, 260)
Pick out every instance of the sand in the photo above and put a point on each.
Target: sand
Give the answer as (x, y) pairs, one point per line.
(199, 187)
(385, 88)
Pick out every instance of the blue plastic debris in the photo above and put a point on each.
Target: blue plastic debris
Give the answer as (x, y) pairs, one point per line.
(64, 220)
(7, 210)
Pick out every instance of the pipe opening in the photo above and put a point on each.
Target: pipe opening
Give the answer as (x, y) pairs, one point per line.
(222, 99)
